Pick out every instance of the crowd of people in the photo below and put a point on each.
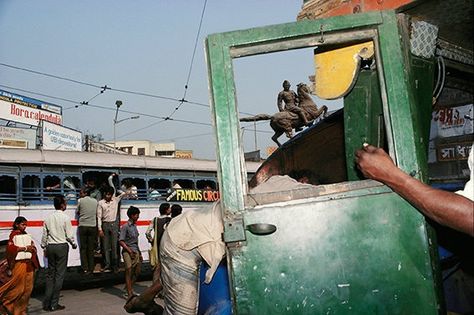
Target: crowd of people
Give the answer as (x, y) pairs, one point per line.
(98, 222)
(195, 237)
(180, 243)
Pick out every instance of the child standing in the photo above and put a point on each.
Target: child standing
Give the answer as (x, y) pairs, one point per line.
(131, 254)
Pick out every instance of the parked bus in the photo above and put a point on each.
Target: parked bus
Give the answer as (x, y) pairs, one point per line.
(29, 179)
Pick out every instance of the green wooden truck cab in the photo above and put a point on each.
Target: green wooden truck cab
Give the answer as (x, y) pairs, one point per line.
(348, 245)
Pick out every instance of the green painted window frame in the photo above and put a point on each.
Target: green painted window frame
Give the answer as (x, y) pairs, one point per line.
(392, 55)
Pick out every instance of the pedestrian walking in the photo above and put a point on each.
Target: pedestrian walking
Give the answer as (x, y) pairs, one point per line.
(131, 254)
(157, 227)
(57, 233)
(22, 261)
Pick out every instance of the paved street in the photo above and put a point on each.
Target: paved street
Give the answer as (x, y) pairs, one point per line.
(105, 300)
(90, 294)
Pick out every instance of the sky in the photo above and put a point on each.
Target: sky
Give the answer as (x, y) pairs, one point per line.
(144, 47)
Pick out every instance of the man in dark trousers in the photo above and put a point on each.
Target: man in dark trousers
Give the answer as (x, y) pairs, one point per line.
(57, 232)
(157, 227)
(87, 213)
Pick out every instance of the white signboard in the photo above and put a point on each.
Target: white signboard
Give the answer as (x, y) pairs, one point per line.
(25, 110)
(15, 137)
(451, 122)
(60, 138)
(17, 144)
(102, 147)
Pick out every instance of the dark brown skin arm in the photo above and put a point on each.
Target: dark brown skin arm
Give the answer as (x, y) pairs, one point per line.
(444, 207)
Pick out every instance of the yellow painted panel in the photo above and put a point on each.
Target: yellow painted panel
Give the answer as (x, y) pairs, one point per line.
(337, 69)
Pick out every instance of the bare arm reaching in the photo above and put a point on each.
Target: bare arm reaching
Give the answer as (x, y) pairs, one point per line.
(444, 207)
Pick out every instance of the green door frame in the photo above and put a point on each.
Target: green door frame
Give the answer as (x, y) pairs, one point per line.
(388, 30)
(392, 57)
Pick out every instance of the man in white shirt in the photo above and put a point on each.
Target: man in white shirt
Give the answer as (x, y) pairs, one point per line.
(108, 225)
(57, 232)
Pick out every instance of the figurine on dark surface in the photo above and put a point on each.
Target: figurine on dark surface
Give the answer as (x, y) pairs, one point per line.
(286, 121)
(290, 100)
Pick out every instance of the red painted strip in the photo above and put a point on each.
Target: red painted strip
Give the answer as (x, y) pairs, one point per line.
(139, 223)
(4, 224)
(9, 224)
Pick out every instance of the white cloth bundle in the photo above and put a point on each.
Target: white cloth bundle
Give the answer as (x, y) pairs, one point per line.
(22, 240)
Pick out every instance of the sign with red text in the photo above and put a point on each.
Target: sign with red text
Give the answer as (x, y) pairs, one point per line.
(452, 121)
(29, 111)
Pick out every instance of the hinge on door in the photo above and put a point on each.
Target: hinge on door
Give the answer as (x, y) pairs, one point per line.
(234, 230)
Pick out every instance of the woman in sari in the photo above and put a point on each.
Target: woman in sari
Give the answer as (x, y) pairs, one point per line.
(15, 294)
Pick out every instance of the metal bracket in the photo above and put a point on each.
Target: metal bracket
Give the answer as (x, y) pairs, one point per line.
(234, 230)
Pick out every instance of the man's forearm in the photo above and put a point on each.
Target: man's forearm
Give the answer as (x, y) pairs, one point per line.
(125, 246)
(444, 207)
(441, 206)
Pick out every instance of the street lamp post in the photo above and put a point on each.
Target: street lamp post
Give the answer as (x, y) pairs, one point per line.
(119, 103)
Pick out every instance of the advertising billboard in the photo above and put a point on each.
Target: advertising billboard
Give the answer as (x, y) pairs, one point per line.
(60, 138)
(184, 154)
(447, 123)
(25, 110)
(17, 137)
(452, 122)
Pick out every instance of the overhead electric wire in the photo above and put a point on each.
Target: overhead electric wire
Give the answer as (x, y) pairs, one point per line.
(40, 94)
(105, 87)
(195, 46)
(183, 99)
(162, 119)
(187, 137)
(85, 102)
(49, 75)
(158, 122)
(153, 96)
(112, 109)
(78, 103)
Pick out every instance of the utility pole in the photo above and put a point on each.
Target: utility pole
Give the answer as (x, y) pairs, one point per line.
(118, 103)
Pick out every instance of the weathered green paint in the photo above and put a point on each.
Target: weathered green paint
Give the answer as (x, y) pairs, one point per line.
(222, 90)
(422, 71)
(363, 118)
(395, 51)
(225, 120)
(291, 31)
(362, 251)
(340, 256)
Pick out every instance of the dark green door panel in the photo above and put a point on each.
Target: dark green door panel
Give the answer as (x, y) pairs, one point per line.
(356, 255)
(365, 251)
(363, 118)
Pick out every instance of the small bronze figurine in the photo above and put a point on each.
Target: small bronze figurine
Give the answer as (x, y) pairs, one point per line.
(288, 118)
